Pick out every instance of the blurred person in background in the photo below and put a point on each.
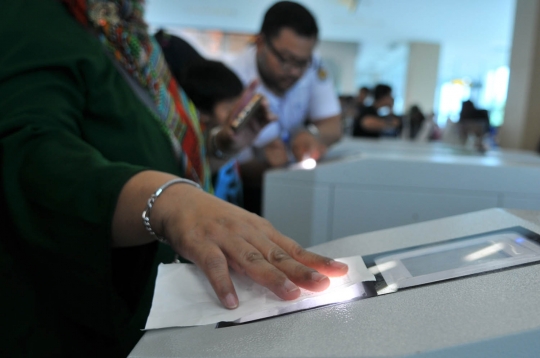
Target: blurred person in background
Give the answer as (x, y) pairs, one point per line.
(348, 112)
(416, 119)
(473, 125)
(299, 90)
(378, 120)
(214, 89)
(362, 98)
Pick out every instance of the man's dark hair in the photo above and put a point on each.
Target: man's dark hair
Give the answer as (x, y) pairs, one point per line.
(291, 15)
(365, 89)
(178, 53)
(380, 91)
(205, 82)
(208, 82)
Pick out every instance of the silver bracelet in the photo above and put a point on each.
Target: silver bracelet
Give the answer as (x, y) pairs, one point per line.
(150, 204)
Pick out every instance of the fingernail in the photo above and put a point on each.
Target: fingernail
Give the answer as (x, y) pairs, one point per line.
(289, 286)
(337, 265)
(317, 277)
(230, 301)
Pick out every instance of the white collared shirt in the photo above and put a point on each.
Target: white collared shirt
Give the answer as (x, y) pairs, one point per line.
(312, 97)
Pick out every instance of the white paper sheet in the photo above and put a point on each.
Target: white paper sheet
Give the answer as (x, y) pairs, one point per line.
(183, 296)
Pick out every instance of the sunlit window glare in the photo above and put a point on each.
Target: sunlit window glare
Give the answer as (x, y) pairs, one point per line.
(492, 96)
(453, 93)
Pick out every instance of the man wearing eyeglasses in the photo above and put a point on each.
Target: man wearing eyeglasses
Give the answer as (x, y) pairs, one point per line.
(299, 90)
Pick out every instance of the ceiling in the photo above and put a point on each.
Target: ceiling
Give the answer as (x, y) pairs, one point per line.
(475, 35)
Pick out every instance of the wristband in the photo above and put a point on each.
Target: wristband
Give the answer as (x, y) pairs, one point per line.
(150, 204)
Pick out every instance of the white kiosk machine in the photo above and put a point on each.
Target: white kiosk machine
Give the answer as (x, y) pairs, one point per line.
(462, 286)
(364, 187)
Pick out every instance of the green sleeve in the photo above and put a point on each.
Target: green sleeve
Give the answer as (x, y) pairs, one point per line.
(47, 166)
(61, 194)
(61, 173)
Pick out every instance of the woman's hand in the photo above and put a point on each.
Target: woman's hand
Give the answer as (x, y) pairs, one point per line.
(216, 236)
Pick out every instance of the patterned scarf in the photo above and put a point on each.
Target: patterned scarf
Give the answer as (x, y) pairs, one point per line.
(121, 28)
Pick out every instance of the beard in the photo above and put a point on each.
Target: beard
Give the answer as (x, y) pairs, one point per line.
(277, 84)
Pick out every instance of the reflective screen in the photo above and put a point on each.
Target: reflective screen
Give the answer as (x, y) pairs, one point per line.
(455, 258)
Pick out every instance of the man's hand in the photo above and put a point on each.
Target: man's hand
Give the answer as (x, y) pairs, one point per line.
(275, 153)
(304, 145)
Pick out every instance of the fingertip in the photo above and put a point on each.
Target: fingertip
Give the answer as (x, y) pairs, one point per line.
(230, 301)
(289, 286)
(336, 268)
(322, 282)
(289, 290)
(317, 277)
(338, 265)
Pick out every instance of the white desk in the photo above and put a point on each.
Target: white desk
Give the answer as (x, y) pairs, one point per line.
(372, 185)
(493, 315)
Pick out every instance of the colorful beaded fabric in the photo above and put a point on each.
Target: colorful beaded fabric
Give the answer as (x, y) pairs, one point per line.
(121, 28)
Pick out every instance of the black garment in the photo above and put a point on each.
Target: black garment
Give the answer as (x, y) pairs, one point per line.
(474, 121)
(252, 193)
(475, 115)
(358, 129)
(416, 119)
(360, 107)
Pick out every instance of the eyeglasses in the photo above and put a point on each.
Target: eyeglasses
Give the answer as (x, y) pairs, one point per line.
(288, 64)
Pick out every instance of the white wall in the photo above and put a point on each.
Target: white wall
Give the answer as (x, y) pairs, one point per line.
(521, 128)
(422, 76)
(340, 59)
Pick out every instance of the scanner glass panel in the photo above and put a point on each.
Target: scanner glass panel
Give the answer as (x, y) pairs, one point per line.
(451, 259)
(448, 260)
